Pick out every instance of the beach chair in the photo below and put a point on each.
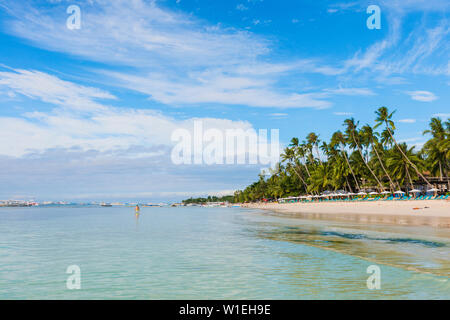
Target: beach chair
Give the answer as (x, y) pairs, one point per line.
(439, 197)
(445, 198)
(419, 197)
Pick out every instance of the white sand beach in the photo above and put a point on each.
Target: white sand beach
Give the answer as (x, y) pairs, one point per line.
(413, 212)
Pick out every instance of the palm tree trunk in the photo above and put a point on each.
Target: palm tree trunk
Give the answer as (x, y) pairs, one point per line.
(318, 155)
(364, 160)
(407, 159)
(348, 184)
(306, 167)
(350, 167)
(301, 178)
(382, 166)
(409, 176)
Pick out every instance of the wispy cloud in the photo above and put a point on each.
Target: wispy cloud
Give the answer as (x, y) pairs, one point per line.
(407, 120)
(48, 88)
(351, 91)
(167, 46)
(424, 96)
(343, 113)
(78, 121)
(442, 115)
(241, 7)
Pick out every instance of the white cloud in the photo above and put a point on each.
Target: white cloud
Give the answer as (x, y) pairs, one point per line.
(407, 120)
(351, 91)
(343, 113)
(421, 95)
(241, 7)
(48, 88)
(178, 59)
(279, 115)
(78, 121)
(216, 87)
(137, 33)
(442, 115)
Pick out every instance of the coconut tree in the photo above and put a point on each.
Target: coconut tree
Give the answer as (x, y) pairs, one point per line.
(313, 140)
(289, 157)
(436, 149)
(339, 169)
(351, 131)
(370, 136)
(300, 152)
(383, 116)
(321, 178)
(401, 168)
(338, 139)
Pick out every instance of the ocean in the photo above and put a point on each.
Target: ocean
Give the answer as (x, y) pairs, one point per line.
(214, 253)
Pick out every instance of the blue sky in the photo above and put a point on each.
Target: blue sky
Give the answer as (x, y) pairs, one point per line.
(87, 114)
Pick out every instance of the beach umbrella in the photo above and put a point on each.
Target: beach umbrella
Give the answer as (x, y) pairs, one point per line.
(432, 190)
(399, 192)
(373, 192)
(414, 191)
(386, 192)
(361, 193)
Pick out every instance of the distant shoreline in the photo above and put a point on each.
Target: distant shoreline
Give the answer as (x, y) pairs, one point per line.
(435, 213)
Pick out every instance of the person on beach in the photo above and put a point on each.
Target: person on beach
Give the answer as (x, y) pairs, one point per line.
(137, 209)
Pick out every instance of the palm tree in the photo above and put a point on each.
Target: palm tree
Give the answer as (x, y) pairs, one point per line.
(313, 140)
(383, 116)
(351, 132)
(370, 136)
(289, 157)
(300, 151)
(436, 149)
(321, 178)
(400, 167)
(338, 139)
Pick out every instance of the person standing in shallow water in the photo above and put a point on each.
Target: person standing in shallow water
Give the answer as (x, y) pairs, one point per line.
(137, 210)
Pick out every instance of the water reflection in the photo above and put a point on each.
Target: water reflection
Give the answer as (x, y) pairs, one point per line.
(419, 250)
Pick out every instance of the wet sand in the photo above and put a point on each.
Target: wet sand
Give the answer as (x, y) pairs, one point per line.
(434, 213)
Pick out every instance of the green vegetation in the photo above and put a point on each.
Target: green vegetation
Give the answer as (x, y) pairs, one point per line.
(209, 199)
(357, 159)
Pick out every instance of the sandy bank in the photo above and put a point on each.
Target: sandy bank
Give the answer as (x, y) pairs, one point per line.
(431, 213)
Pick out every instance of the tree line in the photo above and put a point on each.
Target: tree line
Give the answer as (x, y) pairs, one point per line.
(357, 158)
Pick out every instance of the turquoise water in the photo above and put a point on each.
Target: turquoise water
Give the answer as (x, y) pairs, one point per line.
(213, 253)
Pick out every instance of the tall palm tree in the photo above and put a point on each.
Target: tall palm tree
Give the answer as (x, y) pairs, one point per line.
(338, 139)
(321, 178)
(289, 157)
(383, 116)
(351, 131)
(436, 148)
(300, 151)
(371, 138)
(313, 140)
(400, 167)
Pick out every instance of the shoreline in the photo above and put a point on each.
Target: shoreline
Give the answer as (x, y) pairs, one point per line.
(435, 213)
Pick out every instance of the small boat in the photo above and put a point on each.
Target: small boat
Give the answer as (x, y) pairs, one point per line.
(106, 204)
